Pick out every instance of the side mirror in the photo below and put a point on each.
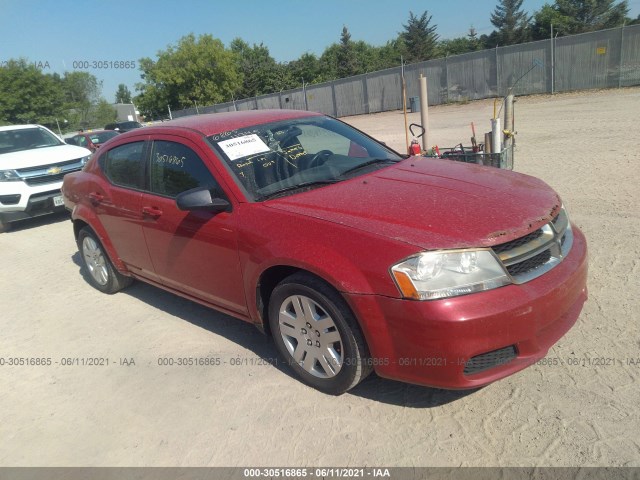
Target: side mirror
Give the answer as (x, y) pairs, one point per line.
(200, 199)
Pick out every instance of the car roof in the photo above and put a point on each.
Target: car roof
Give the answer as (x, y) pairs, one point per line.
(210, 124)
(18, 127)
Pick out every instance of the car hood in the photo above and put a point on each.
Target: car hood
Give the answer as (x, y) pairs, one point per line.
(41, 156)
(433, 204)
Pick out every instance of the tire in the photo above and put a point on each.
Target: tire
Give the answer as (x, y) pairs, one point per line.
(4, 226)
(101, 273)
(317, 334)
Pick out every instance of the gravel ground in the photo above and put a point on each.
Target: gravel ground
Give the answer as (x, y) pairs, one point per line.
(579, 409)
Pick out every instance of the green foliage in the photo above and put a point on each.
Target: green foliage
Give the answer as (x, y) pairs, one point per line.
(194, 71)
(346, 58)
(82, 93)
(261, 74)
(511, 22)
(590, 15)
(578, 16)
(123, 95)
(307, 67)
(102, 113)
(460, 45)
(419, 38)
(29, 96)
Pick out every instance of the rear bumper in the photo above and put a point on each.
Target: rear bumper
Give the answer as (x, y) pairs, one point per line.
(431, 342)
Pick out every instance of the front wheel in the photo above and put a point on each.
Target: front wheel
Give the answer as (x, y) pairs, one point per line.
(4, 225)
(317, 334)
(101, 272)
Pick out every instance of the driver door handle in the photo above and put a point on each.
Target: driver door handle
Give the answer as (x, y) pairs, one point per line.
(96, 197)
(152, 211)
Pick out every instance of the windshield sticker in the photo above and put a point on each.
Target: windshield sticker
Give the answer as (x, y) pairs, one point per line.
(243, 146)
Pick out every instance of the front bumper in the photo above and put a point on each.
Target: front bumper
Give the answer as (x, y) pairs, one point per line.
(472, 340)
(19, 201)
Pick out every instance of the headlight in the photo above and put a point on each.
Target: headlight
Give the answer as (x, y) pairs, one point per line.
(84, 160)
(9, 176)
(433, 275)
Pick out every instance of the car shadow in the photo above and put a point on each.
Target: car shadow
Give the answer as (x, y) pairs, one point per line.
(246, 335)
(41, 221)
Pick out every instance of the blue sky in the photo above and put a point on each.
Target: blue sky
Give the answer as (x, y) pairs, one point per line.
(64, 31)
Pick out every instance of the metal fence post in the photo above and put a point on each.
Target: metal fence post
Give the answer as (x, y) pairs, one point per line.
(553, 63)
(497, 73)
(621, 56)
(333, 97)
(365, 91)
(446, 71)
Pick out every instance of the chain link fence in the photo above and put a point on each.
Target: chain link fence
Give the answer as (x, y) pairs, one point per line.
(603, 59)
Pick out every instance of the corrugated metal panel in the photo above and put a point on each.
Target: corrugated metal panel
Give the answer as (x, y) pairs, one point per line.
(320, 99)
(589, 60)
(384, 89)
(528, 64)
(470, 76)
(630, 64)
(608, 58)
(267, 102)
(350, 97)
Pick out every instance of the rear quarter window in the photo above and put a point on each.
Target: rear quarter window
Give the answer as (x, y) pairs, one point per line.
(124, 165)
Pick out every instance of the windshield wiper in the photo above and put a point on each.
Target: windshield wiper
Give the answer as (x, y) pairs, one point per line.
(366, 164)
(291, 188)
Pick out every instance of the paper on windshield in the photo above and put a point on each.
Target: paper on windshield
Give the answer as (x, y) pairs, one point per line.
(240, 147)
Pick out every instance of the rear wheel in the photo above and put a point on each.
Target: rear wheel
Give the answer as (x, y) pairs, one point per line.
(100, 271)
(317, 334)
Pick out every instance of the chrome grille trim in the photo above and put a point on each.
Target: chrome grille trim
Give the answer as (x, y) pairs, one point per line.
(555, 237)
(47, 174)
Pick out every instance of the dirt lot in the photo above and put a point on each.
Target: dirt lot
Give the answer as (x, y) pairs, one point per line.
(582, 411)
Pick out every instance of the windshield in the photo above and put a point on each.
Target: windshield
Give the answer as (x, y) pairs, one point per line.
(295, 155)
(27, 139)
(102, 136)
(129, 125)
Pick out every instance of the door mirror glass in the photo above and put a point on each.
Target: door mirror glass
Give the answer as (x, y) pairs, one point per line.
(200, 199)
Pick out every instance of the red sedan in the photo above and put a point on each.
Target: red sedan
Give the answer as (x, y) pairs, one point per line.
(91, 140)
(351, 257)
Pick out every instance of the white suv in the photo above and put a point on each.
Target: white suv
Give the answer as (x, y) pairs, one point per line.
(33, 161)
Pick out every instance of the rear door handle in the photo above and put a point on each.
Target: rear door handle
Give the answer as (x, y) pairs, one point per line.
(152, 211)
(96, 197)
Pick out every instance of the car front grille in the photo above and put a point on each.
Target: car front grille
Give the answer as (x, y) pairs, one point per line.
(53, 173)
(31, 181)
(488, 360)
(530, 256)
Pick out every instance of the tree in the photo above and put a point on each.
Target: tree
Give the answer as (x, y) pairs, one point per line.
(389, 54)
(456, 46)
(307, 67)
(591, 15)
(123, 95)
(578, 16)
(103, 112)
(82, 92)
(631, 21)
(261, 74)
(347, 62)
(29, 96)
(511, 22)
(194, 71)
(545, 17)
(419, 38)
